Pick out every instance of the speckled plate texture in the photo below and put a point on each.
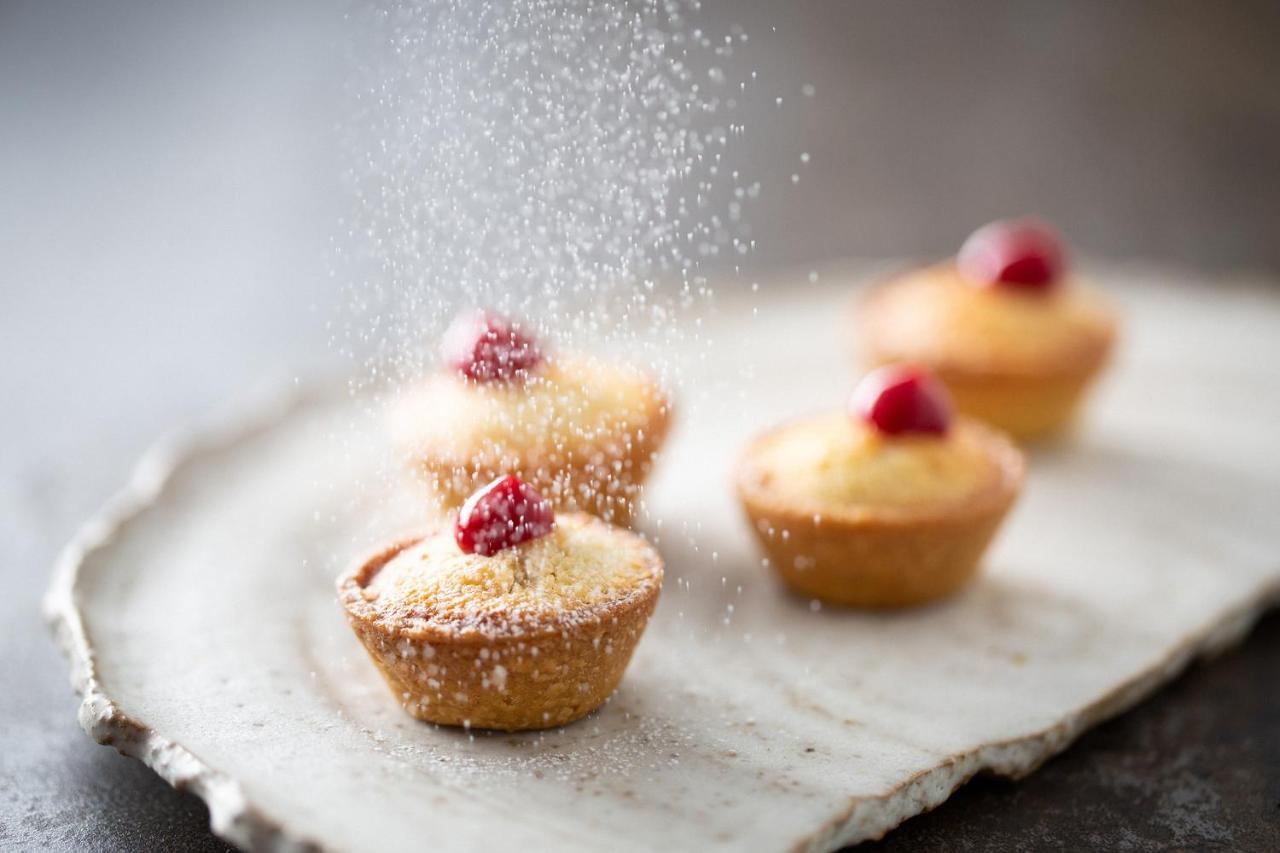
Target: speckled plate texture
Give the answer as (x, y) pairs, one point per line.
(199, 614)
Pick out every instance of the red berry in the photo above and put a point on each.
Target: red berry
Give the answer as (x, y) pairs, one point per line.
(503, 514)
(487, 347)
(902, 399)
(1020, 253)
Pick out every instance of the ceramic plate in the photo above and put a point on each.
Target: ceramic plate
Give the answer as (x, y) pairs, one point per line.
(199, 614)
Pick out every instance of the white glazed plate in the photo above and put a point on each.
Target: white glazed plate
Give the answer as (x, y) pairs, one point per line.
(199, 615)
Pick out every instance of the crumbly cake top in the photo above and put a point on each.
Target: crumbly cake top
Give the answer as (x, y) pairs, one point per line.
(833, 460)
(582, 564)
(934, 316)
(569, 401)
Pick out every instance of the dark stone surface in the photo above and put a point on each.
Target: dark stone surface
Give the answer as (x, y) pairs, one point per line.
(1195, 767)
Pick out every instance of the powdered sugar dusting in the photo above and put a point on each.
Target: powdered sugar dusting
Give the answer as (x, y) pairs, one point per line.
(566, 165)
(558, 162)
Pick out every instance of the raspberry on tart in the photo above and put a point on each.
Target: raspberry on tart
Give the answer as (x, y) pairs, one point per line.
(503, 514)
(487, 347)
(902, 399)
(531, 631)
(1016, 253)
(583, 431)
(889, 504)
(1015, 336)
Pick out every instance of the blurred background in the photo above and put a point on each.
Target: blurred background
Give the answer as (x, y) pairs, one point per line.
(171, 183)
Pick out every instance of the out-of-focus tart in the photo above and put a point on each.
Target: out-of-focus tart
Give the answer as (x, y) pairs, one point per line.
(584, 432)
(1012, 334)
(887, 506)
(517, 618)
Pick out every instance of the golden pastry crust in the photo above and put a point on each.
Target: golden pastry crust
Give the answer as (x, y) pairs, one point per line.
(584, 433)
(1020, 361)
(1027, 407)
(864, 555)
(505, 658)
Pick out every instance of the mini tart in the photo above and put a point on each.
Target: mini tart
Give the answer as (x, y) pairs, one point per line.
(532, 637)
(1019, 360)
(852, 517)
(582, 432)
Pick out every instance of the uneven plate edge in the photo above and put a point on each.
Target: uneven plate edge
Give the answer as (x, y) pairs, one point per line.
(231, 815)
(234, 818)
(871, 818)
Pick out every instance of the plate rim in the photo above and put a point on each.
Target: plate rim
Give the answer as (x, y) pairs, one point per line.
(232, 816)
